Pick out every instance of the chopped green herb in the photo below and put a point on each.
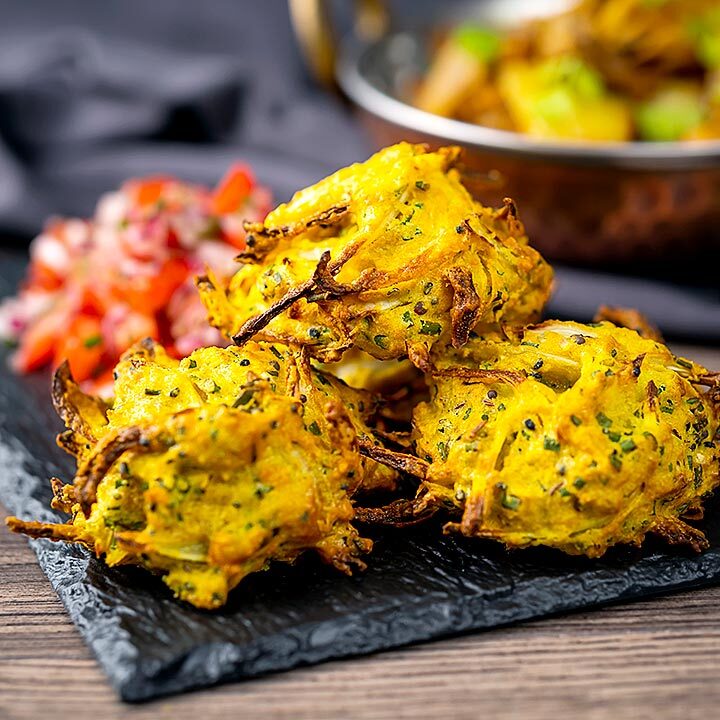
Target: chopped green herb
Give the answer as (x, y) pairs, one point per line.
(408, 218)
(550, 443)
(603, 420)
(92, 341)
(430, 328)
(510, 502)
(314, 429)
(148, 391)
(244, 398)
(192, 364)
(382, 341)
(174, 392)
(575, 420)
(420, 185)
(261, 489)
(443, 450)
(628, 445)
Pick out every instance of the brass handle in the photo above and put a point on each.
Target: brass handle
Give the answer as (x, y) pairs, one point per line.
(315, 31)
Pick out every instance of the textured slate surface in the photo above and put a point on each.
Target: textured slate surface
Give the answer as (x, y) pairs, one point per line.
(419, 585)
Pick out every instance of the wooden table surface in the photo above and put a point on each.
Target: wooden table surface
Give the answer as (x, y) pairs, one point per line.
(654, 659)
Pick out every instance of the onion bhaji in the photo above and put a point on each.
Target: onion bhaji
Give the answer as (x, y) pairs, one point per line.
(208, 468)
(382, 254)
(572, 436)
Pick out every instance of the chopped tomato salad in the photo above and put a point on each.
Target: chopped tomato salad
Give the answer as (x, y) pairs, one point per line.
(94, 287)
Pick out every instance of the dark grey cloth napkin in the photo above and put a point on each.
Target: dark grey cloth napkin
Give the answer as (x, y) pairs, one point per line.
(92, 93)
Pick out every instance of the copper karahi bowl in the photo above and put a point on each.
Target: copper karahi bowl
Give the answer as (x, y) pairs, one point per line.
(587, 203)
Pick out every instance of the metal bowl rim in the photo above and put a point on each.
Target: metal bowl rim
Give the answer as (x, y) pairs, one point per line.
(688, 155)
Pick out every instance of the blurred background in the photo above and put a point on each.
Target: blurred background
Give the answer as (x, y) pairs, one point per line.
(94, 93)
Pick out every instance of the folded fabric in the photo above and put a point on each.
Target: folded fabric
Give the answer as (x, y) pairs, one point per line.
(158, 83)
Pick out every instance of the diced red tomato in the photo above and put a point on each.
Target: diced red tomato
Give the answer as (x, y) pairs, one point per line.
(44, 277)
(149, 191)
(96, 287)
(37, 345)
(82, 346)
(233, 190)
(236, 239)
(149, 293)
(92, 302)
(122, 329)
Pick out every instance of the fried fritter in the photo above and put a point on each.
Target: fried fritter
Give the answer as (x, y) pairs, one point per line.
(629, 318)
(577, 437)
(209, 468)
(149, 384)
(383, 254)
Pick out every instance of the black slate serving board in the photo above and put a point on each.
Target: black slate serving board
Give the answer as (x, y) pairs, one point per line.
(419, 584)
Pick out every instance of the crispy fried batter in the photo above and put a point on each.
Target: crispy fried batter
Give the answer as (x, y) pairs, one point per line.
(380, 255)
(150, 383)
(573, 436)
(211, 494)
(208, 468)
(629, 318)
(83, 414)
